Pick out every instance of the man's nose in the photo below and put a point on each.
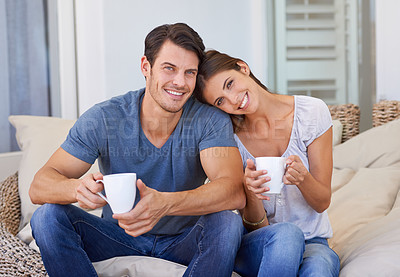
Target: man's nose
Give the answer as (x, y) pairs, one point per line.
(179, 80)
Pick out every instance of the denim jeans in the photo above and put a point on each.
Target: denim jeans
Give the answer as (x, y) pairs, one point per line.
(70, 239)
(280, 250)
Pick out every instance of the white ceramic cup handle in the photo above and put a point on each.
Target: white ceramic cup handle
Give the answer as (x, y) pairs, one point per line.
(100, 194)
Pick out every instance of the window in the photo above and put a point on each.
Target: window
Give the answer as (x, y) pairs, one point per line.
(24, 77)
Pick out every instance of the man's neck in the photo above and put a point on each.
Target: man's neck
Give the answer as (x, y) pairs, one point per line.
(157, 123)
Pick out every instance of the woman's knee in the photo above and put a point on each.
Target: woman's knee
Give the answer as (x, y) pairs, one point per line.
(320, 259)
(289, 232)
(289, 237)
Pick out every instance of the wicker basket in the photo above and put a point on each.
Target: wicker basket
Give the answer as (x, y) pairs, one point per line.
(385, 111)
(16, 258)
(349, 116)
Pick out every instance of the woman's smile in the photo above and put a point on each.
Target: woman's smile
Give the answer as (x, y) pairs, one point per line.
(245, 102)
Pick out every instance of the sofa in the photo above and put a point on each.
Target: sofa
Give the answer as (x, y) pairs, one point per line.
(364, 212)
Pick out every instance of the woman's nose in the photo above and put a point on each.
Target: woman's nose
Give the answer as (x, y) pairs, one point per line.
(233, 98)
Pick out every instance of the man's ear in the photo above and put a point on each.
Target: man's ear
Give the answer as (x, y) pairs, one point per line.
(244, 68)
(145, 66)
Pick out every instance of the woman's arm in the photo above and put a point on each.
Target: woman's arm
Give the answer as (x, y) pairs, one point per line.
(254, 214)
(315, 185)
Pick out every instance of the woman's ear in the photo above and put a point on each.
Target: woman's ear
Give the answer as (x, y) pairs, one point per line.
(244, 68)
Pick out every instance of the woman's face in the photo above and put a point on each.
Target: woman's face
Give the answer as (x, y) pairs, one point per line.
(231, 91)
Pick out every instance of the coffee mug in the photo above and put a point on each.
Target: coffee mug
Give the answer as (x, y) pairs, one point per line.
(120, 191)
(275, 167)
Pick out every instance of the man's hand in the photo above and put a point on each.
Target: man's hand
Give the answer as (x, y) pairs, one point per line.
(86, 192)
(147, 212)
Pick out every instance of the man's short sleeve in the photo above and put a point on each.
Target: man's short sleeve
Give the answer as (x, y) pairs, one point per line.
(84, 138)
(218, 130)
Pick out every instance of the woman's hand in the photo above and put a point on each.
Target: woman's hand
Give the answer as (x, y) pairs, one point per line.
(296, 172)
(254, 182)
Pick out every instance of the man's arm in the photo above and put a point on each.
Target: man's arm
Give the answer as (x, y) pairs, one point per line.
(223, 167)
(57, 182)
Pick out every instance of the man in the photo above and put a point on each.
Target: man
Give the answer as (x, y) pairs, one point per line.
(173, 143)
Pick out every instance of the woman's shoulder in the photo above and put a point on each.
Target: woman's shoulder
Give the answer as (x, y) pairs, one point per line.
(309, 102)
(310, 107)
(313, 116)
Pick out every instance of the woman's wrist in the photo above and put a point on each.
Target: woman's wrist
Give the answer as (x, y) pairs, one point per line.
(254, 224)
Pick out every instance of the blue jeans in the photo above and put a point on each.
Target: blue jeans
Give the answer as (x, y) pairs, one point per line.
(70, 239)
(280, 250)
(319, 259)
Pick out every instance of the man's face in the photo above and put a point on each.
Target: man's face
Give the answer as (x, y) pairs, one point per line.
(172, 78)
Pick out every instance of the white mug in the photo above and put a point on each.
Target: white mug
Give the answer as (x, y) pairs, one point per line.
(120, 191)
(275, 167)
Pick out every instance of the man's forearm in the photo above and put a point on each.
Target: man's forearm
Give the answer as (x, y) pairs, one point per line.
(49, 186)
(221, 194)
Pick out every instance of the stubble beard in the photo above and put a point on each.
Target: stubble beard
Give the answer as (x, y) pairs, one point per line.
(157, 97)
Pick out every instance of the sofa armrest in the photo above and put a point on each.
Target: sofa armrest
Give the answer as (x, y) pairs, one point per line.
(10, 204)
(17, 258)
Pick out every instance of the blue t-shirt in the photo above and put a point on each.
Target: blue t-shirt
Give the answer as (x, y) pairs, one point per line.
(111, 131)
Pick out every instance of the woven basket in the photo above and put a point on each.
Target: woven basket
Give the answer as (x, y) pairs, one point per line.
(349, 116)
(16, 258)
(385, 111)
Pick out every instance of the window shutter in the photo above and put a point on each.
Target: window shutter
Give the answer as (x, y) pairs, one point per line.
(315, 47)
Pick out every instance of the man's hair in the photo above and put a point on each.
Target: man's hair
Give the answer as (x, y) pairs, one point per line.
(179, 33)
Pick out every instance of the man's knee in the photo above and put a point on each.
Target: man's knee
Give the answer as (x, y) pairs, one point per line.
(42, 221)
(226, 227)
(43, 215)
(228, 222)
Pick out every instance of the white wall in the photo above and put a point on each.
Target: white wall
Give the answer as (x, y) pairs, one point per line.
(387, 50)
(110, 38)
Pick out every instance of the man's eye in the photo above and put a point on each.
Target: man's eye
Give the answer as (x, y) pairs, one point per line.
(168, 68)
(191, 72)
(229, 85)
(220, 101)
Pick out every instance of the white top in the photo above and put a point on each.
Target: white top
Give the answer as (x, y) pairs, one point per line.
(311, 119)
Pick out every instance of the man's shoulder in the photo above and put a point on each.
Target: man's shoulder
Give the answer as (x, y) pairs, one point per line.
(120, 104)
(195, 109)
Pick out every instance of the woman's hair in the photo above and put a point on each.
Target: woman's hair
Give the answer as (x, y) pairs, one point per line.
(214, 63)
(179, 33)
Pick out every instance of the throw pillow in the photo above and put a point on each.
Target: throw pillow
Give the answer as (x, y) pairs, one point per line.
(38, 137)
(376, 147)
(337, 132)
(367, 197)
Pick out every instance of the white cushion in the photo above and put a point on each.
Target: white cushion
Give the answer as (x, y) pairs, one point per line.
(376, 147)
(341, 177)
(337, 132)
(367, 197)
(375, 249)
(38, 137)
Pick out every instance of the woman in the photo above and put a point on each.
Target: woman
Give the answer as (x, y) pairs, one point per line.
(286, 234)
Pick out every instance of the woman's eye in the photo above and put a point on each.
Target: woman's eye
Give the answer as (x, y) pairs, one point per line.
(220, 101)
(229, 85)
